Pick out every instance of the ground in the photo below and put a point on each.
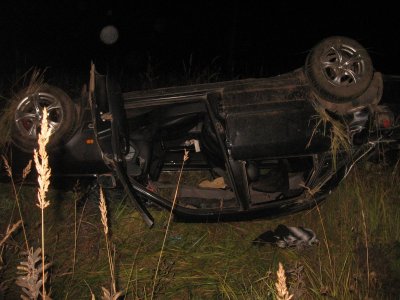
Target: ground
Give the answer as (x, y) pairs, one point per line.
(358, 255)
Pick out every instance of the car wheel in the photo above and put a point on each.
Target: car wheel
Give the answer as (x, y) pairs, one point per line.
(28, 114)
(339, 69)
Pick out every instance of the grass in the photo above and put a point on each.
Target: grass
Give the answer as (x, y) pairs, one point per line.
(216, 261)
(335, 129)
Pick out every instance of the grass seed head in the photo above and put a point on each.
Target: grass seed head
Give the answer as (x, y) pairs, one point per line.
(282, 292)
(42, 163)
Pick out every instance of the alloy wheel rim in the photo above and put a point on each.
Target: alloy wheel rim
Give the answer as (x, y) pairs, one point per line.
(29, 114)
(343, 65)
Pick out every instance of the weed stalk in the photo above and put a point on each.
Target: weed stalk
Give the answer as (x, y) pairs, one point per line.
(185, 158)
(44, 172)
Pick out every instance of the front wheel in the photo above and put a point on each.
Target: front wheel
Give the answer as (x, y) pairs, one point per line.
(28, 114)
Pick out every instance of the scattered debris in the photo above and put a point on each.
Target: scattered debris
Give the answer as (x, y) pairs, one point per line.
(284, 237)
(217, 183)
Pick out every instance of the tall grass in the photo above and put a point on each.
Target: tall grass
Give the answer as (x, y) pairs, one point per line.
(9, 172)
(359, 255)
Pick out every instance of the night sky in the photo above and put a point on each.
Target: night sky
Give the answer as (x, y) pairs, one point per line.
(237, 38)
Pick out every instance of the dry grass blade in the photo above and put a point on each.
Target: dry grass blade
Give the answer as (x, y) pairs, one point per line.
(365, 230)
(103, 210)
(41, 159)
(104, 220)
(10, 231)
(9, 172)
(76, 226)
(7, 166)
(185, 158)
(328, 249)
(340, 140)
(30, 280)
(92, 296)
(107, 295)
(27, 169)
(282, 292)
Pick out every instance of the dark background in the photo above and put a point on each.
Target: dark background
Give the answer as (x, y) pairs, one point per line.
(163, 39)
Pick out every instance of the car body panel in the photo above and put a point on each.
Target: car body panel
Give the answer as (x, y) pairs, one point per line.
(280, 112)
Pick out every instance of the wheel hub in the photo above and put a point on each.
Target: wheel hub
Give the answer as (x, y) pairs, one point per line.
(342, 65)
(29, 114)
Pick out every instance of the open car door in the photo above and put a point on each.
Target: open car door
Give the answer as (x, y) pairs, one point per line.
(112, 133)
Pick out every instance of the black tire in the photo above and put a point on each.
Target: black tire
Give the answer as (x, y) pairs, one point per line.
(339, 69)
(28, 109)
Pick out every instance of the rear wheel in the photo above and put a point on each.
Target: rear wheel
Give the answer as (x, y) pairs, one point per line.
(28, 115)
(340, 69)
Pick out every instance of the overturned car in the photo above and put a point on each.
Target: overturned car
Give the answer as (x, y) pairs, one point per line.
(264, 147)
